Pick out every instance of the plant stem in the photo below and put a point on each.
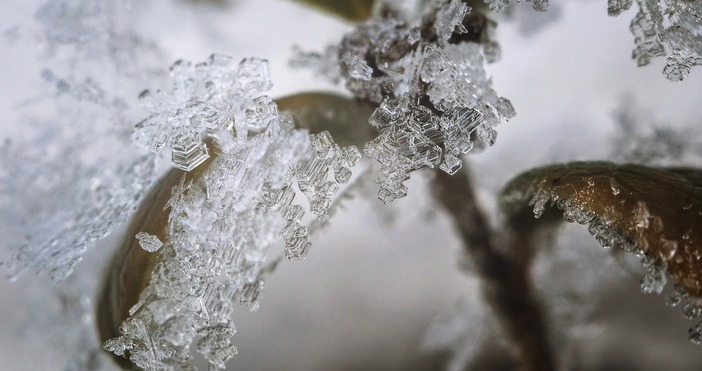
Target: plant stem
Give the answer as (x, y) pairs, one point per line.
(506, 275)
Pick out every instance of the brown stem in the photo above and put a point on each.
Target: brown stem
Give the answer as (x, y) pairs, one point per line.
(506, 278)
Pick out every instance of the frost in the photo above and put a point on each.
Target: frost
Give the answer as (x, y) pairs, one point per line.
(148, 242)
(695, 334)
(449, 19)
(676, 297)
(668, 29)
(538, 201)
(222, 224)
(73, 174)
(426, 74)
(654, 279)
(206, 105)
(501, 5)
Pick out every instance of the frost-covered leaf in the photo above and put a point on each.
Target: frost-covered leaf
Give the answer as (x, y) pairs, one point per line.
(218, 216)
(654, 213)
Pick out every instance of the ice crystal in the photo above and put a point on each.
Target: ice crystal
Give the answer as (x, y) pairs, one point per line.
(70, 177)
(608, 236)
(76, 183)
(148, 242)
(670, 29)
(501, 5)
(222, 224)
(206, 104)
(426, 75)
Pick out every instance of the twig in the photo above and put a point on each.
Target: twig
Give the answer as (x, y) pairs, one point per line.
(506, 278)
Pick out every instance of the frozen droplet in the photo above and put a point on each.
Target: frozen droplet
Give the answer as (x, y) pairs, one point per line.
(695, 334)
(148, 242)
(449, 19)
(539, 202)
(653, 281)
(691, 310)
(676, 297)
(614, 186)
(641, 215)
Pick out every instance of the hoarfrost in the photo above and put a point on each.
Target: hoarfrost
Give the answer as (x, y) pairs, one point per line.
(222, 224)
(69, 177)
(148, 242)
(608, 236)
(668, 29)
(426, 74)
(70, 174)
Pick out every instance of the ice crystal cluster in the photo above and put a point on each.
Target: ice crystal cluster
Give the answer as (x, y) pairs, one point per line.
(427, 78)
(222, 224)
(68, 170)
(607, 235)
(671, 29)
(655, 274)
(69, 177)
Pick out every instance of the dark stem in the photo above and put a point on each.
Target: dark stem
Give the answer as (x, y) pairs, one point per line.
(505, 272)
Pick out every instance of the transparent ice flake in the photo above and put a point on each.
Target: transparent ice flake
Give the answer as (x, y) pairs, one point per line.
(449, 19)
(148, 242)
(189, 152)
(357, 68)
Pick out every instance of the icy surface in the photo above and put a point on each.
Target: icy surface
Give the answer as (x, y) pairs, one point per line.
(426, 74)
(222, 224)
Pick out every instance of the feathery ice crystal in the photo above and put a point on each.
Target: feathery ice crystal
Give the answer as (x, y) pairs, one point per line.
(427, 76)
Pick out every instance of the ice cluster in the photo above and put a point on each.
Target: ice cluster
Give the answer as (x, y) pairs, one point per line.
(69, 177)
(222, 223)
(501, 5)
(67, 170)
(426, 75)
(608, 236)
(671, 29)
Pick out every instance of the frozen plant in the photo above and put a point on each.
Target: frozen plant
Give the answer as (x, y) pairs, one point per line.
(426, 74)
(227, 206)
(204, 238)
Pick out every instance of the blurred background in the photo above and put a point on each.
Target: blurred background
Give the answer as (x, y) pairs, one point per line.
(382, 287)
